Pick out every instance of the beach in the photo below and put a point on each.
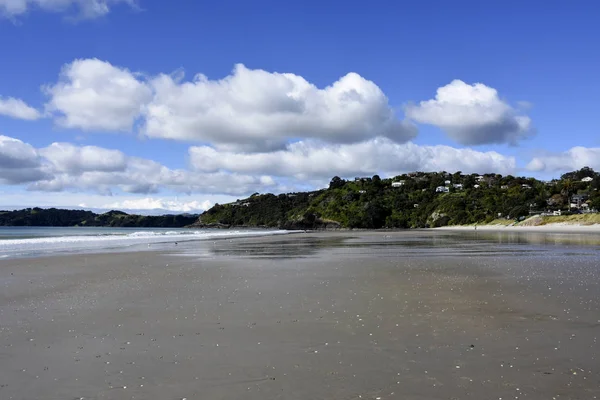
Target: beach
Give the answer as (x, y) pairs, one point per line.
(554, 227)
(326, 315)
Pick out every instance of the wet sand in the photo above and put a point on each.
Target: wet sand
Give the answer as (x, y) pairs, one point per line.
(396, 315)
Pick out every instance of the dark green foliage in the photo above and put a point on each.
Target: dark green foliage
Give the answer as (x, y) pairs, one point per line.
(59, 217)
(372, 203)
(336, 182)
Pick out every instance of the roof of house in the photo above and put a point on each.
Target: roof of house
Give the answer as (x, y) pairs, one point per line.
(583, 196)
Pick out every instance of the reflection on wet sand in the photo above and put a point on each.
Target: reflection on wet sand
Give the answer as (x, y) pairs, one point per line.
(401, 243)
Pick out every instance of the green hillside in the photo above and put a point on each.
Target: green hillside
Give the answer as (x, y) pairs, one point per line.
(417, 201)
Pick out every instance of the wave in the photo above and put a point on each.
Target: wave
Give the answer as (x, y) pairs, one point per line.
(106, 240)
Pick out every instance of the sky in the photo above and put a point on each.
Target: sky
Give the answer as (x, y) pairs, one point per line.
(178, 105)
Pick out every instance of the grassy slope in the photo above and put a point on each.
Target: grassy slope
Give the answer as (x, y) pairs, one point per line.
(579, 219)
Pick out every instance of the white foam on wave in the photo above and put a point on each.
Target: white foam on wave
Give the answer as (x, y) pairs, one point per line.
(82, 243)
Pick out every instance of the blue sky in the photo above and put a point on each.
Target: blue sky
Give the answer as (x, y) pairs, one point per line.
(103, 80)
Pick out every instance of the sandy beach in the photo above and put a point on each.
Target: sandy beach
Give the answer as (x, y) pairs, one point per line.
(347, 315)
(557, 228)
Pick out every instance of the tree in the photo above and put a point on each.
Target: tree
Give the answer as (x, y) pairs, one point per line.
(568, 186)
(336, 182)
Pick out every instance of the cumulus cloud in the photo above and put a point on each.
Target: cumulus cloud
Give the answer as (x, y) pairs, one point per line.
(315, 160)
(17, 108)
(93, 95)
(139, 176)
(67, 157)
(255, 108)
(572, 159)
(150, 203)
(68, 167)
(86, 9)
(249, 109)
(472, 115)
(19, 162)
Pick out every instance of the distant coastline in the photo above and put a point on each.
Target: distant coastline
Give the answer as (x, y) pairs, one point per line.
(409, 201)
(72, 218)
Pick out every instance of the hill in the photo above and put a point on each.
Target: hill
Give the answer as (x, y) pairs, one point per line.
(59, 217)
(415, 200)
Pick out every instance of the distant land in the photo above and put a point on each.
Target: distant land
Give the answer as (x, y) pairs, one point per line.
(136, 211)
(413, 200)
(59, 217)
(416, 200)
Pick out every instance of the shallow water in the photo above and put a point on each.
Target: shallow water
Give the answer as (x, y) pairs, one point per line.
(40, 241)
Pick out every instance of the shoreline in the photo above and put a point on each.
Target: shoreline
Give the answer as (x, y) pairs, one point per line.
(548, 228)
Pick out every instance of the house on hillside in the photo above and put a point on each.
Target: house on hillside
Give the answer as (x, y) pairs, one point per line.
(480, 178)
(362, 191)
(447, 183)
(362, 179)
(577, 200)
(525, 186)
(587, 179)
(458, 186)
(476, 186)
(442, 189)
(398, 184)
(504, 187)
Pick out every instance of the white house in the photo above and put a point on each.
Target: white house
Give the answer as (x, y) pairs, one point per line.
(525, 186)
(447, 183)
(458, 186)
(476, 186)
(587, 179)
(480, 178)
(398, 184)
(442, 189)
(362, 191)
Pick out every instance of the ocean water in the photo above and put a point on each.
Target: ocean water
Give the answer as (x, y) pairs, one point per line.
(38, 241)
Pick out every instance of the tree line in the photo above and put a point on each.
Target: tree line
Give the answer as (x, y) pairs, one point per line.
(59, 217)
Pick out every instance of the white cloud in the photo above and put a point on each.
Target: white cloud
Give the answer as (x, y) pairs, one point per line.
(249, 109)
(93, 95)
(570, 160)
(19, 162)
(314, 160)
(68, 167)
(86, 9)
(132, 203)
(74, 159)
(17, 108)
(142, 176)
(149, 203)
(260, 109)
(472, 115)
(90, 168)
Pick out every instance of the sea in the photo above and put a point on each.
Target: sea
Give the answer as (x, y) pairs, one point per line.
(18, 242)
